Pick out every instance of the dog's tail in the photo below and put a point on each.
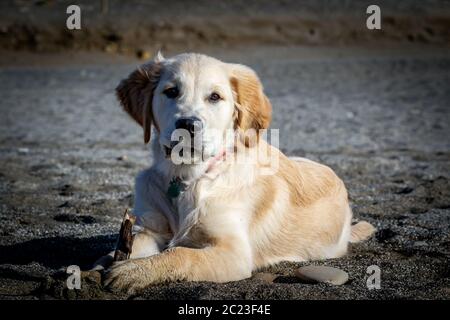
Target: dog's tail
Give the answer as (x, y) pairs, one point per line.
(361, 231)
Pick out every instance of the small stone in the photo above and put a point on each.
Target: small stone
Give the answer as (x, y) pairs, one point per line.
(23, 150)
(420, 244)
(122, 158)
(325, 274)
(265, 276)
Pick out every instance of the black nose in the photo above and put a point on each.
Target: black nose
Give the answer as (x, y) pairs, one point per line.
(193, 125)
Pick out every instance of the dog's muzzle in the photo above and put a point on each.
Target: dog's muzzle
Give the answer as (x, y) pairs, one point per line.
(192, 128)
(192, 124)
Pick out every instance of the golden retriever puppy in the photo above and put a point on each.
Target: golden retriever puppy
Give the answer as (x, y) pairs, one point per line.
(214, 206)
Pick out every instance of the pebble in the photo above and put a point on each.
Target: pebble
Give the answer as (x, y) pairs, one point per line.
(265, 276)
(23, 150)
(420, 244)
(325, 274)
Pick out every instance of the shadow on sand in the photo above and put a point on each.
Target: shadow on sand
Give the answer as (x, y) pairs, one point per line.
(57, 252)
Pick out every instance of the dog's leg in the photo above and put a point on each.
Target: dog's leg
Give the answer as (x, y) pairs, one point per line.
(103, 262)
(225, 261)
(146, 243)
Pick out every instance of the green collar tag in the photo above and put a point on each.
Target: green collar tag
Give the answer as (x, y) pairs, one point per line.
(176, 186)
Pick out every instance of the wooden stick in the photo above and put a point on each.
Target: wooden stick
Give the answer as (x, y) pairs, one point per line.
(125, 241)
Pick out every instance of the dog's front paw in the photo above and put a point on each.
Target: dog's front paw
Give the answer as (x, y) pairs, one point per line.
(128, 276)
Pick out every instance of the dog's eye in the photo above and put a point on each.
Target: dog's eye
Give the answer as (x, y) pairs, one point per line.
(214, 97)
(171, 93)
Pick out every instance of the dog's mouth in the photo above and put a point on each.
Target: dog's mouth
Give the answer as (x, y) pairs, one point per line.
(184, 151)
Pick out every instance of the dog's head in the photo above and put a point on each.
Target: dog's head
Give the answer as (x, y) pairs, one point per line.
(200, 96)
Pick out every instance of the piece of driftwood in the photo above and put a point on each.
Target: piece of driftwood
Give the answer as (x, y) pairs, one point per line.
(125, 241)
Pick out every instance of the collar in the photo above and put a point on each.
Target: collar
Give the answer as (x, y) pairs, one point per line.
(178, 185)
(215, 160)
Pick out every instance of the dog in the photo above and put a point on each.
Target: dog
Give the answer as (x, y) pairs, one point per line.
(222, 216)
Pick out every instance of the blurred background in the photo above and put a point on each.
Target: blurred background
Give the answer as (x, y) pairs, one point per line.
(372, 104)
(133, 26)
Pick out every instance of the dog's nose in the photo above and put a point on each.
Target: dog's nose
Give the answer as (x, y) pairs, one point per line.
(193, 125)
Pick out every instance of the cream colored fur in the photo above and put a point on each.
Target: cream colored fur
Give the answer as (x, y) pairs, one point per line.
(236, 218)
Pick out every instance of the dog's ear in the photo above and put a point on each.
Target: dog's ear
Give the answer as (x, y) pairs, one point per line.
(135, 93)
(253, 108)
